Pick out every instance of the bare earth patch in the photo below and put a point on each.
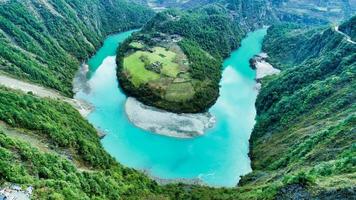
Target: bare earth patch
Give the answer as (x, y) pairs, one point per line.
(167, 123)
(83, 107)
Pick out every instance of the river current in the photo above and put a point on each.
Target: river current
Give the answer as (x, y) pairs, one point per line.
(218, 158)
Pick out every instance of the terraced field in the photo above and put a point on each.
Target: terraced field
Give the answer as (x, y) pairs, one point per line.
(163, 68)
(175, 61)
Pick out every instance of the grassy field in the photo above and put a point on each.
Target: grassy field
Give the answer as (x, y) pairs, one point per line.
(137, 45)
(178, 92)
(165, 71)
(135, 65)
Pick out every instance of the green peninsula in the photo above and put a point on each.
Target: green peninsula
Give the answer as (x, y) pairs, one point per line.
(174, 62)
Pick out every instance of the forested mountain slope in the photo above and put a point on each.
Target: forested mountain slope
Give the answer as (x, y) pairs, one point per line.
(248, 13)
(302, 145)
(305, 130)
(268, 12)
(45, 41)
(48, 145)
(349, 29)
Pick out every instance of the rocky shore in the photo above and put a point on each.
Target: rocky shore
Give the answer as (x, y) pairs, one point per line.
(83, 107)
(167, 123)
(262, 67)
(164, 181)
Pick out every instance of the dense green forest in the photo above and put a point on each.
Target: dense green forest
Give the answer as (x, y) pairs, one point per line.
(306, 115)
(72, 164)
(301, 147)
(205, 35)
(55, 177)
(255, 13)
(209, 26)
(45, 41)
(47, 144)
(302, 144)
(348, 28)
(56, 121)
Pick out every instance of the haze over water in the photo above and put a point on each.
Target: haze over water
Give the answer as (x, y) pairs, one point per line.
(218, 158)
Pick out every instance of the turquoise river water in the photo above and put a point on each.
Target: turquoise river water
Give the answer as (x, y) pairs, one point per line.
(218, 158)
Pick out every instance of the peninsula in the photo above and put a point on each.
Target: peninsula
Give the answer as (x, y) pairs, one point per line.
(170, 67)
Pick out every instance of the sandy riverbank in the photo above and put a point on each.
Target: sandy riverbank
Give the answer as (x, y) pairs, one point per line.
(83, 107)
(163, 181)
(262, 67)
(167, 123)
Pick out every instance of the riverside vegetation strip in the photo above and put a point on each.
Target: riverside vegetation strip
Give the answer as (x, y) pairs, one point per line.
(318, 163)
(83, 107)
(306, 115)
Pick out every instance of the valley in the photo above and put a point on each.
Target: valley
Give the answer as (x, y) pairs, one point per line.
(182, 70)
(170, 158)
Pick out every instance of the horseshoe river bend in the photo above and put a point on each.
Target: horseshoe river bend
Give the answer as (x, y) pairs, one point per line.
(217, 158)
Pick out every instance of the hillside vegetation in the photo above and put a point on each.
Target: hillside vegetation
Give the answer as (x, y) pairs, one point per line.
(174, 62)
(348, 28)
(46, 41)
(72, 165)
(254, 13)
(48, 145)
(303, 144)
(305, 130)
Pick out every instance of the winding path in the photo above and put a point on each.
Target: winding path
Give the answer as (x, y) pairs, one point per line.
(348, 38)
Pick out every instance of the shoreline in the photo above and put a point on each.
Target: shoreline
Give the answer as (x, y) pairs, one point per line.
(197, 178)
(184, 126)
(84, 108)
(79, 83)
(166, 181)
(262, 67)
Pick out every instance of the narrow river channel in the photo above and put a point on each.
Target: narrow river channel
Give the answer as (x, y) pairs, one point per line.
(218, 158)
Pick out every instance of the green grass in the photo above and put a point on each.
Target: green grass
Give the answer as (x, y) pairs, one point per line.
(137, 45)
(136, 68)
(139, 75)
(177, 92)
